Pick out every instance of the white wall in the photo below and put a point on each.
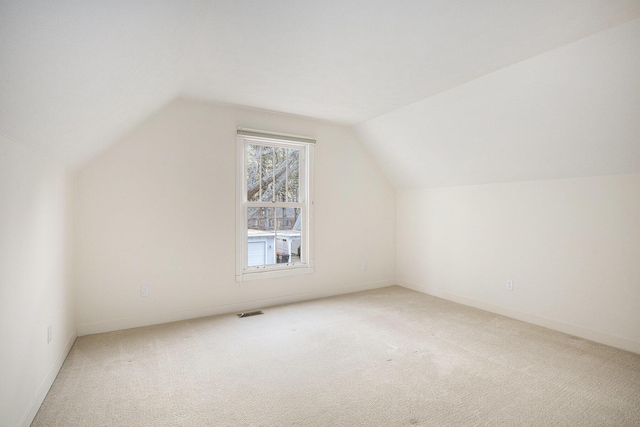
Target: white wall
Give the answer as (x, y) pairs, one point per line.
(158, 208)
(35, 285)
(571, 247)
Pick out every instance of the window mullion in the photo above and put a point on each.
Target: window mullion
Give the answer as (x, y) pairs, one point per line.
(274, 164)
(260, 171)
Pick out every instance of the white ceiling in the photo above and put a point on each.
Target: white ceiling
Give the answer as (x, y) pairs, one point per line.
(76, 75)
(570, 112)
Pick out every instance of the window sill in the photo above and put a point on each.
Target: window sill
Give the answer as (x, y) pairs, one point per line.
(269, 274)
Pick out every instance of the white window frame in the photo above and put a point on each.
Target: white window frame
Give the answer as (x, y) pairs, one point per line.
(305, 168)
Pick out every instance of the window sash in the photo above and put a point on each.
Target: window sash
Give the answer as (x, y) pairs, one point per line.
(275, 166)
(276, 232)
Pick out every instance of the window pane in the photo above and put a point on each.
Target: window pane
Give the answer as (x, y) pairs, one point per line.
(293, 166)
(253, 173)
(281, 174)
(267, 165)
(288, 238)
(261, 225)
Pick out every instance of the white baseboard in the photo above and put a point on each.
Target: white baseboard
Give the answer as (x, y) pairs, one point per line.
(28, 417)
(174, 316)
(567, 328)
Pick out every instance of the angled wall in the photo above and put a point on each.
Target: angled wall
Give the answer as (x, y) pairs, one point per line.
(158, 208)
(35, 279)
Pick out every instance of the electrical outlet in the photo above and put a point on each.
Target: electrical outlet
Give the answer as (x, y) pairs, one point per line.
(144, 290)
(49, 335)
(509, 285)
(364, 266)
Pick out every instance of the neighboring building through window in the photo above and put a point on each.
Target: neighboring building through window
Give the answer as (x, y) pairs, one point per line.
(274, 214)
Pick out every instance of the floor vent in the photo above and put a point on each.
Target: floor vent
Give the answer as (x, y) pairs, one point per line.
(249, 313)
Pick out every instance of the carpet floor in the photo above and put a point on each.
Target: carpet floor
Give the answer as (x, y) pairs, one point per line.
(387, 357)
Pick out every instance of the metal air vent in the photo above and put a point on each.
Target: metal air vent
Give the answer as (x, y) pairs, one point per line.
(249, 313)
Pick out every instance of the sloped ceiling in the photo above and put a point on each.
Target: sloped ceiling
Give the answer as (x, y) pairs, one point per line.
(75, 76)
(570, 112)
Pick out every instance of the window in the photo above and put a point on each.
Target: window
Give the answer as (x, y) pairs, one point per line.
(274, 212)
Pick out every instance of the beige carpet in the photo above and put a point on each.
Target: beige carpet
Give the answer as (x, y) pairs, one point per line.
(389, 357)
